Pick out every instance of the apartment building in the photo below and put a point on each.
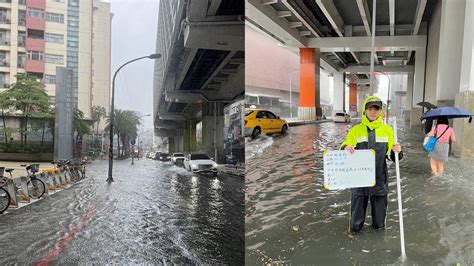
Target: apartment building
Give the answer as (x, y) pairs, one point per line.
(36, 36)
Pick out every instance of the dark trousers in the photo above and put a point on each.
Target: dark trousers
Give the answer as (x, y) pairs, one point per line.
(378, 210)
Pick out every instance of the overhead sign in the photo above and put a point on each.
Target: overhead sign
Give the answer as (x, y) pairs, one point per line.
(345, 170)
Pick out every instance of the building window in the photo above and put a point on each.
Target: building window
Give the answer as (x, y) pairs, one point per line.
(49, 79)
(54, 59)
(54, 17)
(36, 13)
(21, 60)
(54, 38)
(21, 17)
(35, 34)
(57, 1)
(21, 38)
(2, 79)
(35, 55)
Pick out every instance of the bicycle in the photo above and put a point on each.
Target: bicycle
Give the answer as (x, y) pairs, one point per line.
(4, 195)
(36, 187)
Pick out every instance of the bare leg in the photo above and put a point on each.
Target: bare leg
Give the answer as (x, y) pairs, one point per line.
(440, 166)
(434, 168)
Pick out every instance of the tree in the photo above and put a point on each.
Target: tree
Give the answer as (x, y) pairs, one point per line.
(126, 123)
(98, 112)
(28, 96)
(78, 124)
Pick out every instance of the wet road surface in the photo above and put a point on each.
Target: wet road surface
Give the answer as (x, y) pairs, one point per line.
(153, 213)
(290, 218)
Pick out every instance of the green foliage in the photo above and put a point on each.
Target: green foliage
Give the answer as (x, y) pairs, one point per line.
(28, 95)
(31, 148)
(98, 112)
(126, 123)
(79, 125)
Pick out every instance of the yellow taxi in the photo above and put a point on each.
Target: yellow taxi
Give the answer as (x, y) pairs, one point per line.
(258, 121)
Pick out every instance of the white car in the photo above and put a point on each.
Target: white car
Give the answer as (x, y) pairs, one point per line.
(342, 118)
(177, 158)
(200, 163)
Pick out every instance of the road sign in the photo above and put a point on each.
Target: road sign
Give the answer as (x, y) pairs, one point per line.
(132, 142)
(345, 170)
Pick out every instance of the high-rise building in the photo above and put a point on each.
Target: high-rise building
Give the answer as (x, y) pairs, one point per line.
(36, 36)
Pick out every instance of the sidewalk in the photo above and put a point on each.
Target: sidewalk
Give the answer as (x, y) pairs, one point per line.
(19, 170)
(296, 122)
(235, 170)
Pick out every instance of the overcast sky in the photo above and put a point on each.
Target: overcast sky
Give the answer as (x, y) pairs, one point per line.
(134, 35)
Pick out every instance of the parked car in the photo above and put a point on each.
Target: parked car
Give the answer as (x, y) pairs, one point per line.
(164, 157)
(341, 118)
(200, 163)
(157, 155)
(258, 121)
(177, 158)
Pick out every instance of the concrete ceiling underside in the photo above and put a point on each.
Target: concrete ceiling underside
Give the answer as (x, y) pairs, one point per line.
(333, 25)
(207, 63)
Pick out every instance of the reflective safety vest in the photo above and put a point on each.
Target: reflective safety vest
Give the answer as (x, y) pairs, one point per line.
(381, 140)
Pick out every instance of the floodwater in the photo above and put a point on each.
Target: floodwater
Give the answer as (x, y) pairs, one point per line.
(153, 213)
(290, 218)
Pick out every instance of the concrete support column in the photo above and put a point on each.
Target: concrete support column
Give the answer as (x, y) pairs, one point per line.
(189, 138)
(171, 145)
(310, 107)
(213, 130)
(449, 63)
(361, 95)
(464, 147)
(409, 98)
(338, 91)
(179, 142)
(418, 86)
(353, 99)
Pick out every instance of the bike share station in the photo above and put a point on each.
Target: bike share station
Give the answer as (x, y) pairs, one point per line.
(17, 192)
(24, 190)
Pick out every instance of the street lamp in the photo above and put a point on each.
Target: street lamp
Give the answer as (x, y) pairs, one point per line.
(111, 131)
(291, 92)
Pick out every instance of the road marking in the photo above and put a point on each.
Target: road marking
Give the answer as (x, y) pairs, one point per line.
(64, 241)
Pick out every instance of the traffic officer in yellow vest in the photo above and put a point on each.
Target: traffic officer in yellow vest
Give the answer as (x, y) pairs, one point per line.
(372, 134)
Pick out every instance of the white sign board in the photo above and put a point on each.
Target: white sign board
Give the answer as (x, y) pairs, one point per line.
(345, 170)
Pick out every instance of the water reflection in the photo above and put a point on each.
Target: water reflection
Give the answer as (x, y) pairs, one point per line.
(291, 219)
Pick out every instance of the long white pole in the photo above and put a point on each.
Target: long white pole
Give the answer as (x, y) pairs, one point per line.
(399, 193)
(372, 50)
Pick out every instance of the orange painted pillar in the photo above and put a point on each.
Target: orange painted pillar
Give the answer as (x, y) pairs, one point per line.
(310, 107)
(353, 98)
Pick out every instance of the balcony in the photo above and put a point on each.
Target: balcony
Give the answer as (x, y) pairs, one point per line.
(4, 19)
(5, 42)
(4, 62)
(35, 66)
(41, 4)
(35, 23)
(35, 44)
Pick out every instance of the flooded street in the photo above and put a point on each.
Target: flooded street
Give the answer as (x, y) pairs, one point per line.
(153, 213)
(290, 218)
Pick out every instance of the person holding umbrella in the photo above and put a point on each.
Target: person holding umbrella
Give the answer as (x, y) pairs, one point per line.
(440, 154)
(444, 134)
